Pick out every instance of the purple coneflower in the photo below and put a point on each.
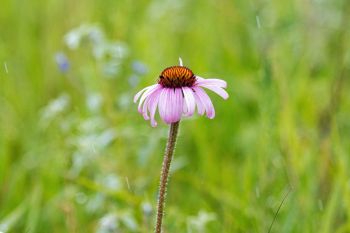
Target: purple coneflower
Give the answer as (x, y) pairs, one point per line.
(177, 93)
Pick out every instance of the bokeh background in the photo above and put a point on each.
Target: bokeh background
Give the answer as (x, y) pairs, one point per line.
(75, 155)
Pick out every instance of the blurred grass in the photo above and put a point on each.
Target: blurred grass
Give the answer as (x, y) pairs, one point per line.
(75, 156)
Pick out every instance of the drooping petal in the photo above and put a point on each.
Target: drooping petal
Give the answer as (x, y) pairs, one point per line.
(211, 81)
(200, 106)
(153, 106)
(145, 107)
(190, 103)
(162, 106)
(174, 105)
(177, 105)
(204, 98)
(221, 92)
(170, 105)
(148, 92)
(138, 94)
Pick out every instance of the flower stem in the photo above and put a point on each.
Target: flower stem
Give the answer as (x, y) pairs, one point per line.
(169, 151)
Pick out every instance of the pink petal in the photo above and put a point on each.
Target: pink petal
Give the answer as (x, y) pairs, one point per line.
(190, 103)
(170, 105)
(200, 106)
(145, 108)
(174, 105)
(177, 106)
(163, 104)
(148, 92)
(148, 103)
(205, 100)
(221, 92)
(153, 106)
(213, 81)
(138, 94)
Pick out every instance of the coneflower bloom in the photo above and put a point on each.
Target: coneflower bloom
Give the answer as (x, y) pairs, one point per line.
(178, 92)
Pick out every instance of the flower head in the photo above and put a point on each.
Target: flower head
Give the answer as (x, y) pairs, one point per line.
(178, 92)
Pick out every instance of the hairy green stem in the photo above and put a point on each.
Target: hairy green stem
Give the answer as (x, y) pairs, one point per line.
(169, 151)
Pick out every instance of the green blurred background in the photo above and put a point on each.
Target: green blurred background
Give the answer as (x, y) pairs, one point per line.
(76, 156)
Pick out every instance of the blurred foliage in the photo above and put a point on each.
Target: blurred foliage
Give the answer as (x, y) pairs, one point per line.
(75, 156)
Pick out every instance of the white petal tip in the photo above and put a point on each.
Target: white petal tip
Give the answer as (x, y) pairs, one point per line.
(154, 123)
(211, 115)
